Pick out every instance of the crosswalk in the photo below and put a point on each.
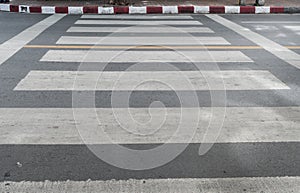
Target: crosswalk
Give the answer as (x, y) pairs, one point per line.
(157, 124)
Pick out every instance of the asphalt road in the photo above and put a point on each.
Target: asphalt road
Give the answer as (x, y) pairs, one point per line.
(257, 55)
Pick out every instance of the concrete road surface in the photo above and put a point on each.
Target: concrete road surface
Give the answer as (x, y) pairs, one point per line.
(123, 103)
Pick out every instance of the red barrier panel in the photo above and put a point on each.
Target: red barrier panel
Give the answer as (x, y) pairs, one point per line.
(121, 10)
(90, 9)
(185, 9)
(14, 8)
(216, 9)
(247, 9)
(61, 9)
(35, 9)
(154, 9)
(277, 10)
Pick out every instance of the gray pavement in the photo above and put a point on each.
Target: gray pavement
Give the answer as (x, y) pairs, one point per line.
(15, 23)
(259, 137)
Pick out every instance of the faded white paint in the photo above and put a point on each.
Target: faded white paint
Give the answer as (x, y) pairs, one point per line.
(147, 125)
(138, 22)
(155, 30)
(183, 39)
(293, 27)
(135, 17)
(174, 185)
(144, 56)
(154, 80)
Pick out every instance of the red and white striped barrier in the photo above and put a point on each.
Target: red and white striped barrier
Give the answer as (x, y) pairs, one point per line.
(147, 9)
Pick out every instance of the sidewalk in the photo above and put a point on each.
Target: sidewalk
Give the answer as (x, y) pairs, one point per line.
(285, 3)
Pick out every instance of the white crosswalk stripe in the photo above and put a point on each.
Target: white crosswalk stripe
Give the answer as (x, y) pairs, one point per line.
(138, 17)
(204, 185)
(57, 125)
(137, 80)
(144, 56)
(139, 29)
(157, 40)
(138, 22)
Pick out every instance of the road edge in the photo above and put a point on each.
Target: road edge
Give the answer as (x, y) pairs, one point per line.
(179, 9)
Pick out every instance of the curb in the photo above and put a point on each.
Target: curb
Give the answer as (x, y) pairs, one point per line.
(149, 9)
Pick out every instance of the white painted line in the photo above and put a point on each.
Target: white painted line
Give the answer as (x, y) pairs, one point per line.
(75, 10)
(57, 125)
(161, 29)
(137, 10)
(153, 80)
(144, 56)
(201, 9)
(174, 185)
(274, 48)
(262, 9)
(106, 10)
(293, 28)
(271, 22)
(137, 17)
(138, 22)
(169, 9)
(142, 41)
(4, 7)
(13, 45)
(199, 185)
(232, 9)
(48, 9)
